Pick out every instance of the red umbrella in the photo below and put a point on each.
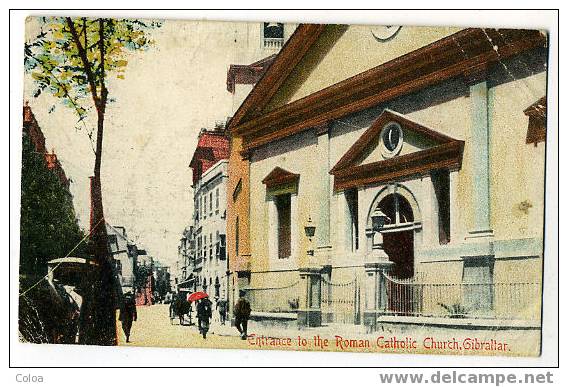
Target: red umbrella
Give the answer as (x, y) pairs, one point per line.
(196, 296)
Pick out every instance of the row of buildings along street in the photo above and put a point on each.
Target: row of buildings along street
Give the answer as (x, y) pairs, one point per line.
(203, 261)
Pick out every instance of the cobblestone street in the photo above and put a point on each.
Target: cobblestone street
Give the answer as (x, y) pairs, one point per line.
(154, 329)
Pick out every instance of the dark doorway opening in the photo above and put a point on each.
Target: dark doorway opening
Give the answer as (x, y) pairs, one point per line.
(283, 206)
(398, 239)
(399, 246)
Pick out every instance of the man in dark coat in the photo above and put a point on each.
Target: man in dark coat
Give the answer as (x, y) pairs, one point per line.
(128, 315)
(204, 313)
(242, 314)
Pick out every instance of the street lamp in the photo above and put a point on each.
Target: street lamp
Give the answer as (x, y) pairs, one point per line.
(310, 230)
(379, 219)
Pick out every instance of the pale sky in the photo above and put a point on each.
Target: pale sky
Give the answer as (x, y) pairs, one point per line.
(170, 92)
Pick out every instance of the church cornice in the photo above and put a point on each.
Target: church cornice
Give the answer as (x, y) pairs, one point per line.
(458, 55)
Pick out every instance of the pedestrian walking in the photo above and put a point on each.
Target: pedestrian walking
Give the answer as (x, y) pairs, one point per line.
(128, 315)
(204, 313)
(222, 308)
(242, 314)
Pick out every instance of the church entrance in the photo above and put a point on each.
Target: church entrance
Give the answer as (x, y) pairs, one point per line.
(398, 234)
(398, 244)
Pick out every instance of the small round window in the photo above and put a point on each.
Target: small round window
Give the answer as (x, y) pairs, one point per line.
(391, 139)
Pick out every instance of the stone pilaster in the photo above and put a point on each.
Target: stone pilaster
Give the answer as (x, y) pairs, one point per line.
(376, 265)
(323, 196)
(309, 312)
(479, 153)
(480, 234)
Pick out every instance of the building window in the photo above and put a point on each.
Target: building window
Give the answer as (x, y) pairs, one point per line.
(118, 266)
(237, 236)
(210, 203)
(204, 207)
(352, 198)
(217, 201)
(210, 246)
(283, 207)
(478, 284)
(222, 247)
(273, 35)
(217, 245)
(112, 242)
(441, 182)
(391, 140)
(237, 189)
(199, 247)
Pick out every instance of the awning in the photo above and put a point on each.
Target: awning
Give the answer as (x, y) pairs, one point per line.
(186, 284)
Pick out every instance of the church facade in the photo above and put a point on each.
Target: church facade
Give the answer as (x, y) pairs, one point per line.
(394, 171)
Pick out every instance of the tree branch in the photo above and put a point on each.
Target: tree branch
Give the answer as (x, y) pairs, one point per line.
(104, 91)
(69, 97)
(85, 31)
(86, 64)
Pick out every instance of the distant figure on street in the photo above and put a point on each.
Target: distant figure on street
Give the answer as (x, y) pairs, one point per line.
(128, 315)
(180, 307)
(222, 308)
(204, 313)
(242, 314)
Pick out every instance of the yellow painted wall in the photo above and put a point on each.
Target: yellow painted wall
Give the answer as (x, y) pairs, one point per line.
(517, 168)
(238, 170)
(296, 161)
(453, 118)
(344, 51)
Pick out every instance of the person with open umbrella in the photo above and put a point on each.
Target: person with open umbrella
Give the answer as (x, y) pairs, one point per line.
(204, 312)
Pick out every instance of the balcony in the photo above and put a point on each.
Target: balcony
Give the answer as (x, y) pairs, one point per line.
(273, 43)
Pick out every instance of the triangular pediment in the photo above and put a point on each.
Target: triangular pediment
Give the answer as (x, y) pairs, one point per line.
(395, 147)
(279, 176)
(325, 64)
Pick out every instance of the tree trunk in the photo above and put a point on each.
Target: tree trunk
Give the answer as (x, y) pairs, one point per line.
(104, 286)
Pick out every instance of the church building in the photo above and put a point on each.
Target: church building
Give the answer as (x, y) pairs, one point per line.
(393, 171)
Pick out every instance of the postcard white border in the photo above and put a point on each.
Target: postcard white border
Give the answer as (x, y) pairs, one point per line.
(45, 356)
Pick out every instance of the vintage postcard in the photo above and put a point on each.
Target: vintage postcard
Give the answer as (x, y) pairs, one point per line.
(272, 186)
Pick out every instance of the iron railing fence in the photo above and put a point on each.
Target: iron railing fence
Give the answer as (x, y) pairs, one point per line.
(501, 300)
(274, 292)
(340, 297)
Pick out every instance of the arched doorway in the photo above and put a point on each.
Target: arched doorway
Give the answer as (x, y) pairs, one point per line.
(398, 234)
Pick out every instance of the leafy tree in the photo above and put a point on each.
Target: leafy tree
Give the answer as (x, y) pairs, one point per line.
(48, 226)
(72, 58)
